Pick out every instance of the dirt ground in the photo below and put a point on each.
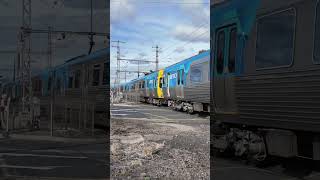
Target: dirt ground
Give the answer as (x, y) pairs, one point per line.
(164, 147)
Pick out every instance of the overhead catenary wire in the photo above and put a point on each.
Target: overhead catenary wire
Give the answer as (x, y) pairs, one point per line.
(190, 41)
(189, 34)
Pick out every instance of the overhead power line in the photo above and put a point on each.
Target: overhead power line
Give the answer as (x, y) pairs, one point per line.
(189, 34)
(188, 42)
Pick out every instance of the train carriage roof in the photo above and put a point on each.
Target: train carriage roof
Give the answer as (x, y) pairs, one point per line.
(85, 58)
(241, 11)
(187, 62)
(76, 60)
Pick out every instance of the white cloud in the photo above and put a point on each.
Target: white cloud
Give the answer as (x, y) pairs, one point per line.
(122, 9)
(142, 54)
(179, 49)
(191, 33)
(198, 11)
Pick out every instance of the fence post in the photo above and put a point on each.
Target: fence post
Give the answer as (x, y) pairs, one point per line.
(7, 117)
(65, 115)
(93, 119)
(51, 118)
(85, 115)
(79, 116)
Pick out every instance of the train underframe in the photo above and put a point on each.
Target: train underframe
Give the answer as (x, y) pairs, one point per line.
(190, 107)
(179, 105)
(258, 144)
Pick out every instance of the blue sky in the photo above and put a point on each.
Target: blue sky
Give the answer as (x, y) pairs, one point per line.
(181, 28)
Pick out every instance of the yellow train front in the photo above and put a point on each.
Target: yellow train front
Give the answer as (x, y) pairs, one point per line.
(146, 89)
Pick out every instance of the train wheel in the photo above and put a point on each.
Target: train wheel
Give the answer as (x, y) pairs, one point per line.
(261, 159)
(190, 111)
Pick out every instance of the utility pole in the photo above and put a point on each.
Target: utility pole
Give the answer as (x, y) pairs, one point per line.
(91, 28)
(25, 73)
(138, 69)
(51, 75)
(118, 80)
(49, 51)
(157, 57)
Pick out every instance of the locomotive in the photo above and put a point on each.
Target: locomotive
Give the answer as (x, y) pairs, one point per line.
(265, 78)
(183, 86)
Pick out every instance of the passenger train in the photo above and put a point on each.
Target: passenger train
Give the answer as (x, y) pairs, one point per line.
(183, 86)
(266, 78)
(78, 87)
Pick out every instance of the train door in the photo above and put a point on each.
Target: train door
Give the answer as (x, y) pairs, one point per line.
(224, 70)
(160, 84)
(180, 83)
(169, 87)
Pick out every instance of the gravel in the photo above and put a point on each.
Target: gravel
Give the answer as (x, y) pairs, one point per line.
(142, 149)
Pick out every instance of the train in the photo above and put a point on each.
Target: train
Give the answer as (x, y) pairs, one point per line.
(78, 90)
(184, 86)
(265, 78)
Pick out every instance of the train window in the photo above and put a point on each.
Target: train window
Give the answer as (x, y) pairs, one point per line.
(220, 52)
(182, 75)
(178, 77)
(105, 74)
(164, 80)
(49, 83)
(232, 50)
(195, 74)
(275, 40)
(160, 82)
(70, 82)
(316, 51)
(150, 84)
(96, 75)
(58, 85)
(77, 79)
(40, 85)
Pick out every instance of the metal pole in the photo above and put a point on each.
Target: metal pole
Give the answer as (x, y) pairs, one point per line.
(92, 131)
(65, 116)
(51, 118)
(91, 28)
(7, 117)
(52, 80)
(79, 117)
(138, 69)
(157, 59)
(85, 114)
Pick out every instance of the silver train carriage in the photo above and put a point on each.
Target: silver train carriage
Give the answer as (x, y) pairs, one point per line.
(79, 89)
(183, 86)
(266, 77)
